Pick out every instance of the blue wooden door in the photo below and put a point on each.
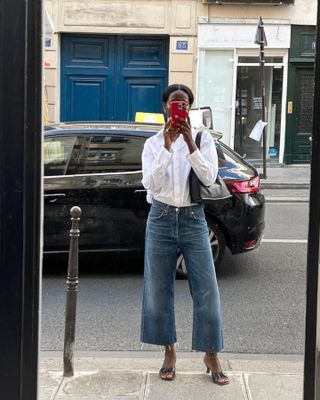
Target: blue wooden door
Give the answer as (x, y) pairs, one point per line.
(87, 81)
(112, 77)
(143, 72)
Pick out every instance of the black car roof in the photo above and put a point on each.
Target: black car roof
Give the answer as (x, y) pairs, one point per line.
(115, 128)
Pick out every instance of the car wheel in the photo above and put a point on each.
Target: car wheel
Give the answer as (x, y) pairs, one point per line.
(218, 245)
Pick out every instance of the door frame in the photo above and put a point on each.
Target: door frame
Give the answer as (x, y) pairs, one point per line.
(268, 53)
(118, 58)
(292, 96)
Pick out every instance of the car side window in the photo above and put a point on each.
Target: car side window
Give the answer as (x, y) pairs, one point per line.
(60, 155)
(111, 153)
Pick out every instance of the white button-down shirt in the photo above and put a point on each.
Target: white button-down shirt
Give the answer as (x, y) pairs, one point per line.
(166, 173)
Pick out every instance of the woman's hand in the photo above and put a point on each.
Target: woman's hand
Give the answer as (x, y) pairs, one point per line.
(185, 130)
(170, 134)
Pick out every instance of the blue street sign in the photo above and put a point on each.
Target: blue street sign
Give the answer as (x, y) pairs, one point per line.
(182, 45)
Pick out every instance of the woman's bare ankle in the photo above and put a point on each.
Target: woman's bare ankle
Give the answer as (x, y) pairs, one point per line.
(211, 355)
(170, 348)
(169, 356)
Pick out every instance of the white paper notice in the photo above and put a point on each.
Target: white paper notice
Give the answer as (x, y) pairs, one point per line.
(256, 132)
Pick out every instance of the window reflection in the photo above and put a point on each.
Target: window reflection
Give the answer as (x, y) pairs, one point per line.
(59, 154)
(111, 154)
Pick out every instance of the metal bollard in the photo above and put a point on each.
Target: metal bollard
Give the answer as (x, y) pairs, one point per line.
(72, 287)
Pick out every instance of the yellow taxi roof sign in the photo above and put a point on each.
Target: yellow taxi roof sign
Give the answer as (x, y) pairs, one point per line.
(151, 118)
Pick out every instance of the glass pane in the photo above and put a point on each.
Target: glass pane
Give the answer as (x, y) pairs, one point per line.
(249, 109)
(257, 59)
(215, 87)
(57, 155)
(112, 154)
(305, 100)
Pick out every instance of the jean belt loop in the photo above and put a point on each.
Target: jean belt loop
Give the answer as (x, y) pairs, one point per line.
(166, 209)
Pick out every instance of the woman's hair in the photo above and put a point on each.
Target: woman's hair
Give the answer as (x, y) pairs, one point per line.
(173, 88)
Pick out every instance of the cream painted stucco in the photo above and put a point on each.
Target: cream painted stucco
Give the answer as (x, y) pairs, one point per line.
(175, 18)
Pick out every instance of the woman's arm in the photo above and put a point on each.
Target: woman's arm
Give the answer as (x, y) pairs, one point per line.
(154, 167)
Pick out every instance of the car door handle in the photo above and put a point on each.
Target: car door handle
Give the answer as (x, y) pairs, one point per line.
(140, 191)
(53, 197)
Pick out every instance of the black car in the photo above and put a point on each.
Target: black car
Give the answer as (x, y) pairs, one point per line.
(98, 168)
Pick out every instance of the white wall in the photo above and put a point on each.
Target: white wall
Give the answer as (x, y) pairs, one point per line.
(302, 12)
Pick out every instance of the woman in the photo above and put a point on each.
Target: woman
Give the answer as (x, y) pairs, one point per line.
(173, 223)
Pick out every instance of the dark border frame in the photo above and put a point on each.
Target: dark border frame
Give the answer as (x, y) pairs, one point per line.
(20, 195)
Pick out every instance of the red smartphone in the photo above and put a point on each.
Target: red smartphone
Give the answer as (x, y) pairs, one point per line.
(178, 108)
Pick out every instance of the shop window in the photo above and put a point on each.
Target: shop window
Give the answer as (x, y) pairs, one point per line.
(215, 82)
(249, 111)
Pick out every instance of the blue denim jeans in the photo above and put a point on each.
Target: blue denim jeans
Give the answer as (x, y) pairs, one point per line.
(169, 229)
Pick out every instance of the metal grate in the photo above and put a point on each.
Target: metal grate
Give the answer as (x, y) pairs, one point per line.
(306, 101)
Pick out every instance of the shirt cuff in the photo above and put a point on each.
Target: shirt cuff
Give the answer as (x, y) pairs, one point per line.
(195, 157)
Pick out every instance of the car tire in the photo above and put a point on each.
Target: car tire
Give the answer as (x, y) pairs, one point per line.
(218, 245)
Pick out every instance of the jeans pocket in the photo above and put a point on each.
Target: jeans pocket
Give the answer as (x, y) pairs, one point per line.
(197, 213)
(157, 212)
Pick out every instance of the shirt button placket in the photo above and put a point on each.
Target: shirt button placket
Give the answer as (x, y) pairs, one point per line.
(176, 180)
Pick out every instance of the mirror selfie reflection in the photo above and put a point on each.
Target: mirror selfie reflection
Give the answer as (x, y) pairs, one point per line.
(171, 287)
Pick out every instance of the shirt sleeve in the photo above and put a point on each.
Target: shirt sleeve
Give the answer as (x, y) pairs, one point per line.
(205, 161)
(154, 167)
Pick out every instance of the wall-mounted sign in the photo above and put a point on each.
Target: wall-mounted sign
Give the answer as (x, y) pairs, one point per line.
(313, 45)
(182, 45)
(225, 36)
(257, 103)
(48, 43)
(49, 29)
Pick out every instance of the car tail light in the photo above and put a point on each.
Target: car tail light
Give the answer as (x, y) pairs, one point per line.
(250, 186)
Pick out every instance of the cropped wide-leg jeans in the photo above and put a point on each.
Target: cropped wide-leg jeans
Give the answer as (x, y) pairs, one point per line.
(168, 229)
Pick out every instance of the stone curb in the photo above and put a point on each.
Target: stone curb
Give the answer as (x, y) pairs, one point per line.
(270, 185)
(287, 199)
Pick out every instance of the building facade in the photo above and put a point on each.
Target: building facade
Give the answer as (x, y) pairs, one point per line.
(111, 59)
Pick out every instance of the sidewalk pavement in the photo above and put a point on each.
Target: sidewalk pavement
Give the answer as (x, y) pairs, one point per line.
(134, 376)
(287, 177)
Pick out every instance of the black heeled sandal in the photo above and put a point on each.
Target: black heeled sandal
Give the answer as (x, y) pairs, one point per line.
(218, 377)
(164, 372)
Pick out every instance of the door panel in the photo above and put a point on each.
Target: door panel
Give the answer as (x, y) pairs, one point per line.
(114, 214)
(142, 95)
(87, 80)
(303, 113)
(88, 100)
(61, 158)
(143, 71)
(112, 77)
(106, 185)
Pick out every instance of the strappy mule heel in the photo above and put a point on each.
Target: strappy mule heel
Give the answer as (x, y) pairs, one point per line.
(167, 374)
(218, 377)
